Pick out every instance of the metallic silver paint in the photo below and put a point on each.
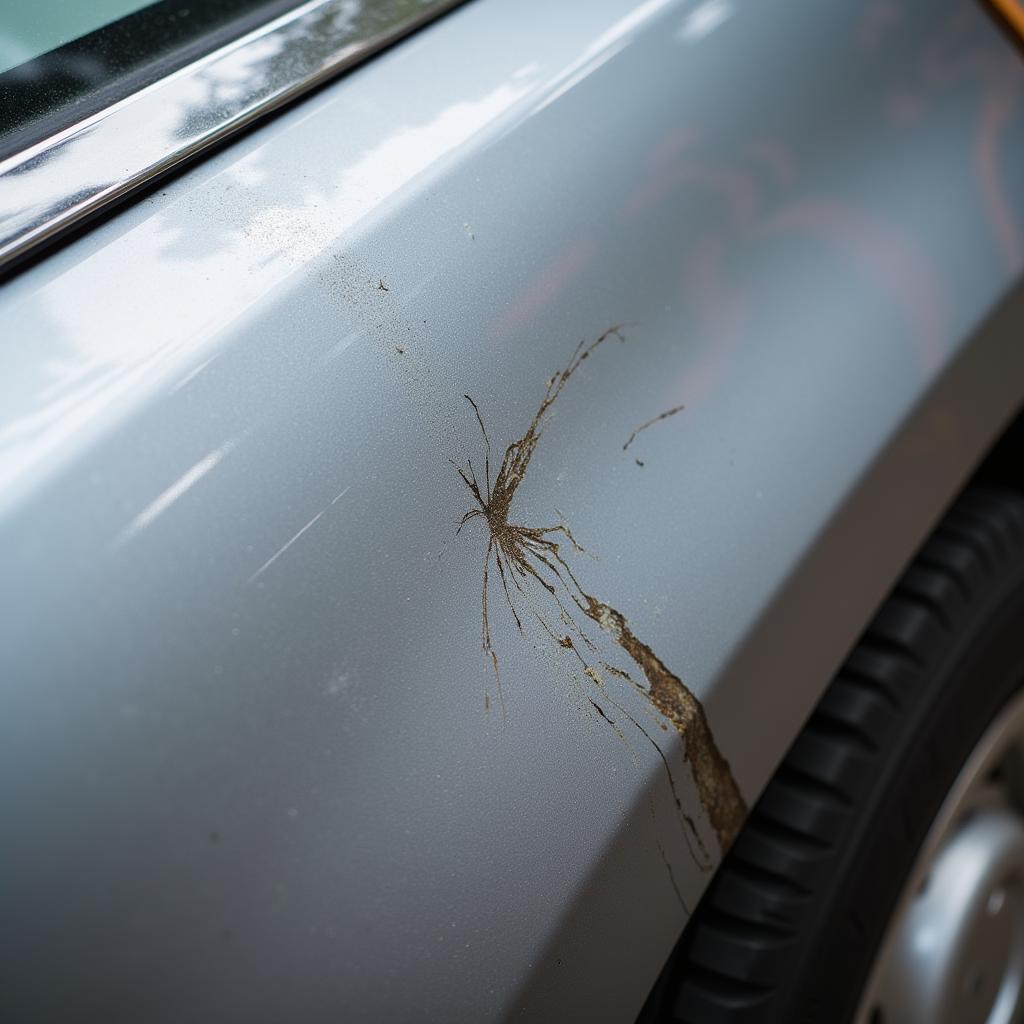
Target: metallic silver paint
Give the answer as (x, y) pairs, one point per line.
(51, 186)
(244, 759)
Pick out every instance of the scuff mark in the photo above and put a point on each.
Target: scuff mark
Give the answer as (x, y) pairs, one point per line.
(530, 557)
(650, 423)
(381, 286)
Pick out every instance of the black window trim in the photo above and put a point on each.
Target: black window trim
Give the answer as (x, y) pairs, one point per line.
(75, 170)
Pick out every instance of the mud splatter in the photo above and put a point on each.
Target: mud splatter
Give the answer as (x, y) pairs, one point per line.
(719, 794)
(539, 584)
(650, 423)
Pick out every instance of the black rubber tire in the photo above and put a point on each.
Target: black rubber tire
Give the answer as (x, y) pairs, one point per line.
(788, 927)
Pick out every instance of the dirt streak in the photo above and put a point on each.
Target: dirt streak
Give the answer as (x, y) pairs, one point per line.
(650, 423)
(719, 794)
(529, 557)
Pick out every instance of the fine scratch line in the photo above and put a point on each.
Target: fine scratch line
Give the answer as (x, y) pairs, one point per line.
(650, 423)
(274, 557)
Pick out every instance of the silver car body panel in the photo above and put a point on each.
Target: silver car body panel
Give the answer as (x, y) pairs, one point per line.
(248, 767)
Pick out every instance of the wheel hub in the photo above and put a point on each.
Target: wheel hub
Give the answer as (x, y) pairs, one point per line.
(954, 949)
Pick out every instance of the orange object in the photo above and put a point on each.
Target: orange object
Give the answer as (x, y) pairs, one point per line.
(1013, 12)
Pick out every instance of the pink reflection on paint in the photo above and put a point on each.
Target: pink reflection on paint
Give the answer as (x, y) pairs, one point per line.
(721, 311)
(882, 253)
(998, 72)
(776, 156)
(877, 22)
(548, 284)
(662, 178)
(997, 109)
(735, 186)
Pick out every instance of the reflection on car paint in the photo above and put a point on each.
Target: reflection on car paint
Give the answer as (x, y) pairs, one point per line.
(528, 557)
(163, 501)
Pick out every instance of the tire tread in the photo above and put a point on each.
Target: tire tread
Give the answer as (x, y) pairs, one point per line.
(751, 917)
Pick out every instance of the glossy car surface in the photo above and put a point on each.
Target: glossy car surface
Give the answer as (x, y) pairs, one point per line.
(255, 761)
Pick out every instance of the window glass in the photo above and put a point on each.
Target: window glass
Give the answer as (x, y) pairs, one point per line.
(30, 29)
(63, 60)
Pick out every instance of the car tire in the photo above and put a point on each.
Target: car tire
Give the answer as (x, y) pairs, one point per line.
(788, 928)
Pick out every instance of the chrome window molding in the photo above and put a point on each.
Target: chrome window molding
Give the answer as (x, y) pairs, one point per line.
(54, 184)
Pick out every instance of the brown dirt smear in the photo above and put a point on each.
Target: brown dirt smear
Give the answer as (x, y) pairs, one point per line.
(719, 794)
(526, 557)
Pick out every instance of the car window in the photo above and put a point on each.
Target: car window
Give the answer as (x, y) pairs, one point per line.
(92, 109)
(31, 29)
(61, 62)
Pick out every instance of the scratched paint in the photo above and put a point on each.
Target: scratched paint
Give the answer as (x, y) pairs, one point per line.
(535, 571)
